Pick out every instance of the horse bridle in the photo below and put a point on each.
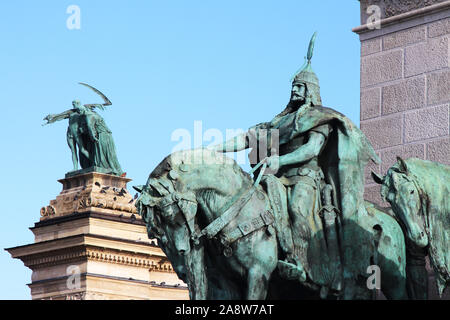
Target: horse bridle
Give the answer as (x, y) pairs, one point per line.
(422, 204)
(175, 198)
(424, 216)
(229, 211)
(426, 222)
(226, 214)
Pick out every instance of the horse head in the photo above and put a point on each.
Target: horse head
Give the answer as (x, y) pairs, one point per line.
(169, 214)
(182, 183)
(400, 189)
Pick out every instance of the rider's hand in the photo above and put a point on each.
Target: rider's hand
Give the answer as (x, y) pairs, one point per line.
(273, 163)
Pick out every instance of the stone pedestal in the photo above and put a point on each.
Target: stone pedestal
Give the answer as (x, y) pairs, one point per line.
(91, 244)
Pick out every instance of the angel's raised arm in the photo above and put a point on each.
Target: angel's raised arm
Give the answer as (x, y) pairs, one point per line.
(56, 117)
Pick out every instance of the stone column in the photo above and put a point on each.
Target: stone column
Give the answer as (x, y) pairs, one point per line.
(405, 82)
(91, 244)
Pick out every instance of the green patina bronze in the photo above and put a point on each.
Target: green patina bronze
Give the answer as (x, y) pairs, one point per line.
(223, 238)
(299, 229)
(418, 191)
(88, 133)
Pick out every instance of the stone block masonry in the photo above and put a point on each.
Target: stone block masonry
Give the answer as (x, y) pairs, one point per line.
(405, 86)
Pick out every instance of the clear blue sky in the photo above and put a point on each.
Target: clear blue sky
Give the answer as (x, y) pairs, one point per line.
(163, 64)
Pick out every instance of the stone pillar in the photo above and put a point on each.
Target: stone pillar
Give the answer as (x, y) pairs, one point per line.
(91, 244)
(405, 83)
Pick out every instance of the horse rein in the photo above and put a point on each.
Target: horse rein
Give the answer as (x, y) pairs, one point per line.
(230, 212)
(426, 223)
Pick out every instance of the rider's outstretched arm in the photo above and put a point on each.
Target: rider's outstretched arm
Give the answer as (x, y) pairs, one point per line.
(57, 117)
(238, 143)
(306, 152)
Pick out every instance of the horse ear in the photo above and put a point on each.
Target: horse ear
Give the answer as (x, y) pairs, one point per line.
(377, 178)
(138, 188)
(402, 165)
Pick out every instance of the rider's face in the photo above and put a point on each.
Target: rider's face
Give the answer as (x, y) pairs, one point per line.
(298, 92)
(76, 104)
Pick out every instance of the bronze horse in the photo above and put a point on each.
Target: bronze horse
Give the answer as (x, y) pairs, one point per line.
(187, 204)
(418, 191)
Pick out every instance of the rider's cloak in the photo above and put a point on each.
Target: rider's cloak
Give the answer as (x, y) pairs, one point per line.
(342, 160)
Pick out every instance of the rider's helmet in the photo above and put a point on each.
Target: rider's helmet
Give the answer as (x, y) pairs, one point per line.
(307, 76)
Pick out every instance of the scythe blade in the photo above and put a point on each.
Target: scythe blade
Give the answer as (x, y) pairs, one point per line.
(107, 102)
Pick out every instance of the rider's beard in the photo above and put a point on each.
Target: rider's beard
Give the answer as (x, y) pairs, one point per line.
(292, 106)
(295, 104)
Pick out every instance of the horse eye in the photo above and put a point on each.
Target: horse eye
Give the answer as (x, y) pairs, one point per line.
(412, 191)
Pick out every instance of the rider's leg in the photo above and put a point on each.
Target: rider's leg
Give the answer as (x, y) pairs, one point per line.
(278, 201)
(416, 283)
(301, 203)
(73, 149)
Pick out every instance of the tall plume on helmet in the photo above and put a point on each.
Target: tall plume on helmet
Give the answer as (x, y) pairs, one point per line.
(311, 47)
(307, 76)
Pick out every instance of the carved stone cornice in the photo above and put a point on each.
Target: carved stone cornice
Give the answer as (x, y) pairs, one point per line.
(76, 296)
(390, 8)
(110, 256)
(405, 16)
(96, 192)
(88, 253)
(70, 296)
(54, 258)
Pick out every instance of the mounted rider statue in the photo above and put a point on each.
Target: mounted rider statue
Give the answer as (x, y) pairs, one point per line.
(315, 183)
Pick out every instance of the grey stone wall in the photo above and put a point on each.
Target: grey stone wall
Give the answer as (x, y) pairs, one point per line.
(405, 87)
(405, 91)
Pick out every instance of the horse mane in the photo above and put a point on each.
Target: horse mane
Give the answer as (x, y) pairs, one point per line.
(190, 160)
(434, 180)
(194, 158)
